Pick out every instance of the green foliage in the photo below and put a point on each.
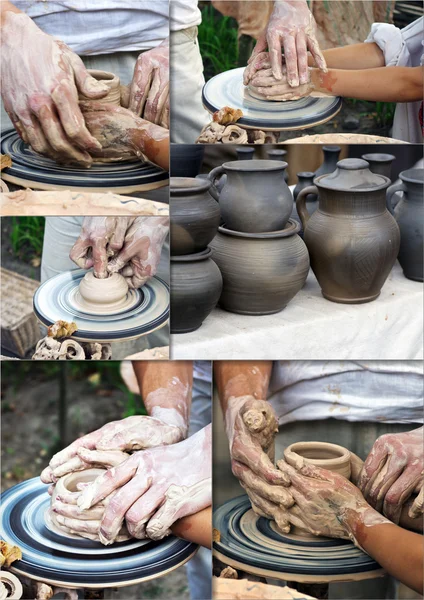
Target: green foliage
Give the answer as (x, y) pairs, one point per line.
(385, 112)
(218, 42)
(26, 236)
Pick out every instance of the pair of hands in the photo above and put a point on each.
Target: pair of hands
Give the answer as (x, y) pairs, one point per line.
(41, 79)
(315, 499)
(167, 478)
(134, 243)
(292, 28)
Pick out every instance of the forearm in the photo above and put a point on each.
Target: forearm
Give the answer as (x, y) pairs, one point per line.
(379, 540)
(195, 528)
(387, 84)
(235, 379)
(166, 388)
(352, 57)
(152, 141)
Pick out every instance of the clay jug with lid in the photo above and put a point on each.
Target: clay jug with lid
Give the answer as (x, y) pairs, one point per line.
(255, 197)
(352, 238)
(409, 214)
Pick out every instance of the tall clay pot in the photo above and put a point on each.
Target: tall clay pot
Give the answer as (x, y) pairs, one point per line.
(278, 154)
(195, 215)
(245, 152)
(380, 163)
(261, 272)
(255, 197)
(186, 159)
(409, 214)
(353, 240)
(196, 285)
(331, 156)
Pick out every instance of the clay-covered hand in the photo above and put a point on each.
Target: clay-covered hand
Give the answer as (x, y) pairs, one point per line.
(393, 471)
(121, 133)
(264, 83)
(156, 487)
(40, 81)
(107, 446)
(251, 427)
(149, 90)
(292, 28)
(140, 255)
(326, 503)
(100, 238)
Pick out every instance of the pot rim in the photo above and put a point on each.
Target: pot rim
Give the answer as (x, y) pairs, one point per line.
(195, 257)
(193, 185)
(378, 157)
(342, 454)
(409, 178)
(256, 165)
(292, 227)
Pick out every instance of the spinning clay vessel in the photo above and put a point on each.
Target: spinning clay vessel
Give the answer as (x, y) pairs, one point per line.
(409, 214)
(352, 238)
(196, 285)
(195, 215)
(51, 556)
(261, 272)
(255, 198)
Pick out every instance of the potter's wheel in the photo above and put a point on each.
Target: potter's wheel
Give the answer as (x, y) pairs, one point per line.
(143, 311)
(227, 89)
(76, 562)
(32, 170)
(253, 544)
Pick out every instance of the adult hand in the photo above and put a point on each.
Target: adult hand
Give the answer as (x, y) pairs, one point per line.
(106, 446)
(152, 489)
(393, 471)
(40, 81)
(251, 427)
(99, 239)
(140, 255)
(327, 503)
(149, 90)
(293, 28)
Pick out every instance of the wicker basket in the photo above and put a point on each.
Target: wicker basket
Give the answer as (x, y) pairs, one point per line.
(19, 327)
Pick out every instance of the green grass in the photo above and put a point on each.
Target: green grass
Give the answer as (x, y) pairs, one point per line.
(26, 236)
(218, 42)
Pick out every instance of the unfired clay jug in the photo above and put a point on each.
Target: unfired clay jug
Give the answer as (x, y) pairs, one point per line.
(195, 215)
(409, 214)
(331, 156)
(255, 197)
(196, 285)
(261, 272)
(353, 240)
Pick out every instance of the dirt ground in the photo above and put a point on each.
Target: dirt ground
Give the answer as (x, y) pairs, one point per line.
(30, 434)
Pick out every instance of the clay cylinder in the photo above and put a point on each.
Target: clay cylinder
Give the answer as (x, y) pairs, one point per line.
(321, 454)
(261, 272)
(195, 215)
(196, 285)
(112, 82)
(380, 163)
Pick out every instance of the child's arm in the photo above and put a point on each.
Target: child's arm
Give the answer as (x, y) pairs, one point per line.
(354, 56)
(385, 84)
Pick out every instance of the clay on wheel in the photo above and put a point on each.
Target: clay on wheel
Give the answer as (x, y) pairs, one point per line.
(103, 293)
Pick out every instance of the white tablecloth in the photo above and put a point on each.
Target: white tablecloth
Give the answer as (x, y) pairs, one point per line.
(311, 327)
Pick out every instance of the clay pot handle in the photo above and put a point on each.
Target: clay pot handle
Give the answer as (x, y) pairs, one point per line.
(302, 211)
(213, 175)
(393, 189)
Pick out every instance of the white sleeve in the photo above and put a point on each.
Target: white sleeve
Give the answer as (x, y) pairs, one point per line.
(390, 41)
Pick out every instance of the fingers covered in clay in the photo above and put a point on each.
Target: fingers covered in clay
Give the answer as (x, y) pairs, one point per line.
(279, 495)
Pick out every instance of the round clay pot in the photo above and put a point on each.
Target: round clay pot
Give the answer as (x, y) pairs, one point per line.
(352, 238)
(186, 159)
(255, 198)
(112, 82)
(261, 272)
(195, 215)
(196, 285)
(321, 454)
(380, 163)
(409, 214)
